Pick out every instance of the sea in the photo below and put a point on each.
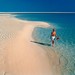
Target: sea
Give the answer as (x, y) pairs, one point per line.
(64, 24)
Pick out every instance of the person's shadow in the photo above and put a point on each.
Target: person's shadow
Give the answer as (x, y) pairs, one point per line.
(45, 44)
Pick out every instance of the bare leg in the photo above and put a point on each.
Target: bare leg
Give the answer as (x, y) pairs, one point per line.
(52, 43)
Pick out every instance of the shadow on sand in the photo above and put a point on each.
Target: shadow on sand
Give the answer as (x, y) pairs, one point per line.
(45, 44)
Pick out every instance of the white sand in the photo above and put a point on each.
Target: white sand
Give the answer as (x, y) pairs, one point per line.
(18, 55)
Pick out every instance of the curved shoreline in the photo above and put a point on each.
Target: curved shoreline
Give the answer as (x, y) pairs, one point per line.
(23, 57)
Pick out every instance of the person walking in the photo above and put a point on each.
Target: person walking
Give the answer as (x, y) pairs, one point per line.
(53, 36)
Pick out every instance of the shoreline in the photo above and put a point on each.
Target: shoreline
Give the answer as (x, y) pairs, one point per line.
(22, 57)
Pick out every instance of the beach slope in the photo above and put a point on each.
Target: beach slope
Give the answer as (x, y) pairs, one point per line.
(18, 55)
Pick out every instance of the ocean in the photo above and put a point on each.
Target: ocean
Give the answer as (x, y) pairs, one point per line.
(64, 23)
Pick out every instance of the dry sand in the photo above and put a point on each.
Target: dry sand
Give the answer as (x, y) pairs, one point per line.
(18, 55)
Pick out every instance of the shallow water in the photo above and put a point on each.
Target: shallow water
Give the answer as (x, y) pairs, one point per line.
(65, 28)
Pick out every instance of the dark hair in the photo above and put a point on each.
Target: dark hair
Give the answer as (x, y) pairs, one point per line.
(53, 29)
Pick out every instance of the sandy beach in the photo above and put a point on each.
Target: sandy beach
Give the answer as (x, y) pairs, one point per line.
(20, 56)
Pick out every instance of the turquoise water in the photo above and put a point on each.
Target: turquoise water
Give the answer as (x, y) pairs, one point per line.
(65, 28)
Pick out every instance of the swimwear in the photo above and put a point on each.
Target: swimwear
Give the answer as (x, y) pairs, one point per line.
(53, 38)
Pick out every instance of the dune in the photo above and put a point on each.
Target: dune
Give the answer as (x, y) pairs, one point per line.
(20, 56)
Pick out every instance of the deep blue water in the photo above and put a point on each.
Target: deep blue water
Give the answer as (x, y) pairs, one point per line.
(65, 28)
(37, 6)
